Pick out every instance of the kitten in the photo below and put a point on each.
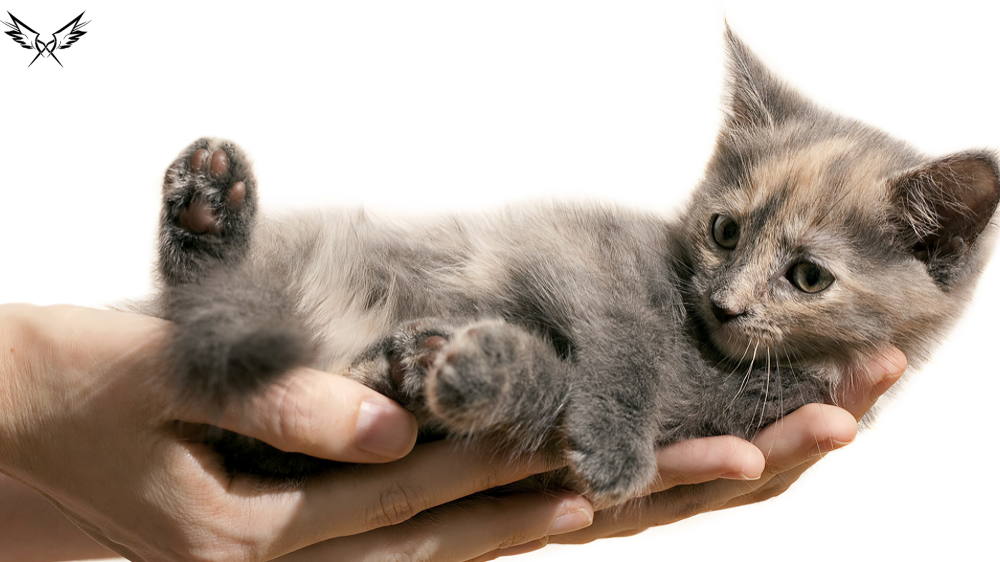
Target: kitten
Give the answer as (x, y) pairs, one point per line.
(589, 332)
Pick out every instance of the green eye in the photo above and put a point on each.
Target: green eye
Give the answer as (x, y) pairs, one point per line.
(809, 277)
(725, 231)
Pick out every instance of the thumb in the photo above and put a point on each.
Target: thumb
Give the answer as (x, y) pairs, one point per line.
(321, 415)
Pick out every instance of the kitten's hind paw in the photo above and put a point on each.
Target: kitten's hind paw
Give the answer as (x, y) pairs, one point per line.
(209, 203)
(211, 169)
(496, 377)
(467, 381)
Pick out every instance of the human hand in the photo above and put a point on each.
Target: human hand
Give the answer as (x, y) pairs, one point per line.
(716, 473)
(86, 421)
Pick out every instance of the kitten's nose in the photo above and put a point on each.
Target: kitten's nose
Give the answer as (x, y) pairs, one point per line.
(724, 313)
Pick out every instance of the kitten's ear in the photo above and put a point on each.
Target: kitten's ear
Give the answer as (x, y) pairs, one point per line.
(756, 97)
(944, 206)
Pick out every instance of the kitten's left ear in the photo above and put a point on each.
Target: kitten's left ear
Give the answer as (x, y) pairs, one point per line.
(756, 97)
(944, 206)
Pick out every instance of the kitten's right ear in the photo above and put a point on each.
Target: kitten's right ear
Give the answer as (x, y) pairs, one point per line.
(944, 206)
(756, 97)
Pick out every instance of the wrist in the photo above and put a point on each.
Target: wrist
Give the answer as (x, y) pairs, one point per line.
(15, 364)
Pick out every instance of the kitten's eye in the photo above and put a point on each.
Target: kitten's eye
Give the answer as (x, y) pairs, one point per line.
(809, 277)
(725, 231)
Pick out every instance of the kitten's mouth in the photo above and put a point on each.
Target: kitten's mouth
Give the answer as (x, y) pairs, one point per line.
(741, 338)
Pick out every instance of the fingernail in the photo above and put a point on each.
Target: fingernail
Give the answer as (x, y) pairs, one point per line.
(738, 476)
(384, 429)
(575, 515)
(821, 449)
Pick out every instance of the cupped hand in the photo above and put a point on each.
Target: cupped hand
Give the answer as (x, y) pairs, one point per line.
(87, 421)
(715, 473)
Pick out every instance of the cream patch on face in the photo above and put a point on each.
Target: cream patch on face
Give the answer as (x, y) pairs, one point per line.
(821, 178)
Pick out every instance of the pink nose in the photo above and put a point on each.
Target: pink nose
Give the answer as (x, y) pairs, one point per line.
(724, 313)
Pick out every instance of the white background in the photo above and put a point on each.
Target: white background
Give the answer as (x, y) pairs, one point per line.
(427, 106)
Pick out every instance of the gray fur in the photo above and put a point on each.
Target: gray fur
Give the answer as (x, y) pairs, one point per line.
(590, 332)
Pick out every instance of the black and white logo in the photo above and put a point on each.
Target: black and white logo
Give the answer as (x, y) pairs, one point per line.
(31, 39)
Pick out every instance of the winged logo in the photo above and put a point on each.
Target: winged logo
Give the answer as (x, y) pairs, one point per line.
(30, 39)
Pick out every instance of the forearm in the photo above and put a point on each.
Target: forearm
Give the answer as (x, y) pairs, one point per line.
(33, 530)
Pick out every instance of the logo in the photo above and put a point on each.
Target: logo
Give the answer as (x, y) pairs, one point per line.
(30, 39)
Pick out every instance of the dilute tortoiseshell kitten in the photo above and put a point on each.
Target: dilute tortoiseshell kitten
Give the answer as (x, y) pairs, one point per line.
(590, 332)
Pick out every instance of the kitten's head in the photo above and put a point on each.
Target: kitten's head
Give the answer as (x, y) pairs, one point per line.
(815, 238)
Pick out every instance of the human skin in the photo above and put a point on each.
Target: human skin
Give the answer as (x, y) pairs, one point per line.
(87, 424)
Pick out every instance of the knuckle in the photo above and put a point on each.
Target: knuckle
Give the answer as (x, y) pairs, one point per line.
(775, 487)
(676, 504)
(394, 506)
(296, 424)
(515, 539)
(490, 477)
(688, 506)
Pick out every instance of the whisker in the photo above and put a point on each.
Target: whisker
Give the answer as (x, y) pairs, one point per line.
(746, 378)
(767, 388)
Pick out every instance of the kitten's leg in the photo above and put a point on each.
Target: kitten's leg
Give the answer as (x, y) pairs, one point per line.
(236, 328)
(498, 378)
(209, 205)
(235, 323)
(612, 419)
(598, 408)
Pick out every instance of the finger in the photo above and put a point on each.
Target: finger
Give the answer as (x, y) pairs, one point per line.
(864, 386)
(522, 548)
(513, 551)
(682, 502)
(474, 529)
(388, 494)
(664, 508)
(808, 432)
(661, 508)
(790, 446)
(701, 460)
(322, 415)
(773, 486)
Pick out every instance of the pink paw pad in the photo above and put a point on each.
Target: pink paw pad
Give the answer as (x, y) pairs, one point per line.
(220, 164)
(198, 218)
(237, 194)
(204, 213)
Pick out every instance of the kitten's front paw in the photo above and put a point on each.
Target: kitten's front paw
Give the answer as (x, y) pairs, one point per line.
(398, 365)
(614, 474)
(413, 350)
(209, 202)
